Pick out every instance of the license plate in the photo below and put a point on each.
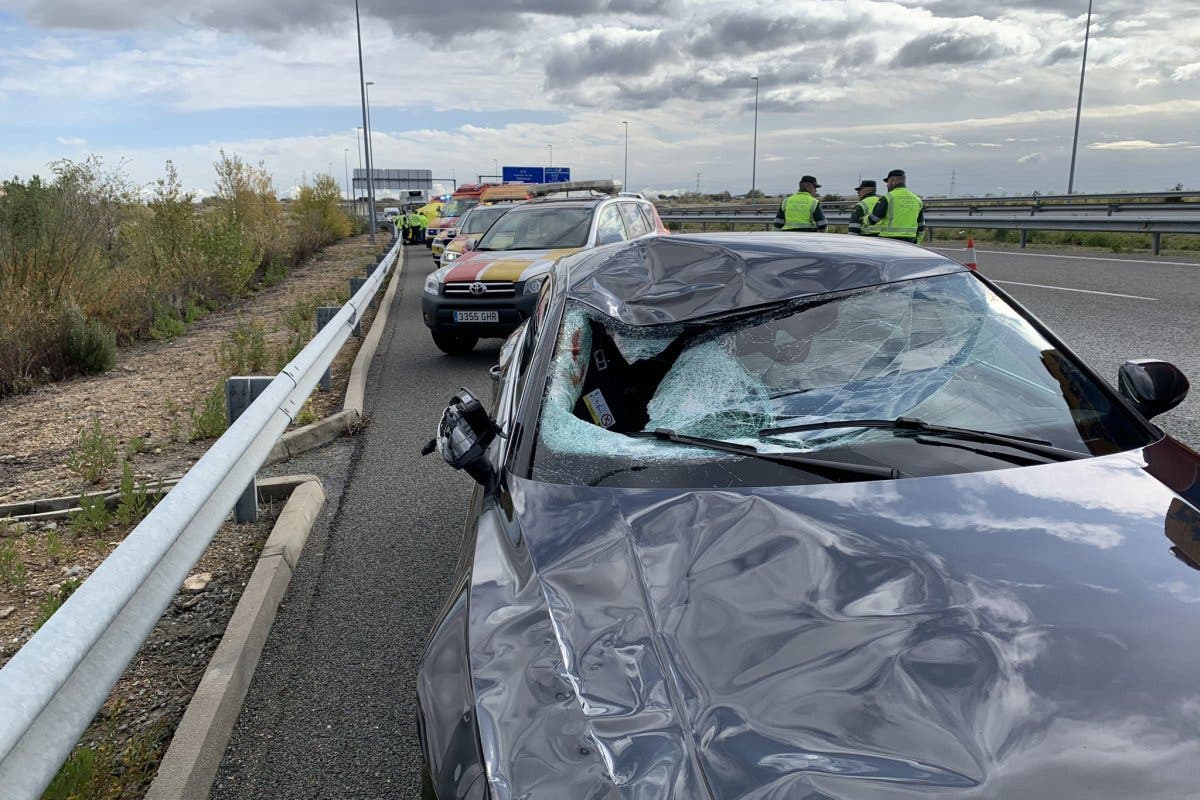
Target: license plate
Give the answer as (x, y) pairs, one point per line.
(476, 316)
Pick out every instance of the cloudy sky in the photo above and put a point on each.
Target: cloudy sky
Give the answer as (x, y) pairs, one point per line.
(980, 89)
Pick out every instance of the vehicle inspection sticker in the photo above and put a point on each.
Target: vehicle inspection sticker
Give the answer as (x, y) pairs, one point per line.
(597, 406)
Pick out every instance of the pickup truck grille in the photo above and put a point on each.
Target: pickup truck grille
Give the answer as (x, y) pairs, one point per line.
(490, 289)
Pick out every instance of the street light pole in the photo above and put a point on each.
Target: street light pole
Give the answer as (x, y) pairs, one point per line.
(370, 155)
(346, 159)
(1079, 104)
(754, 155)
(626, 182)
(366, 125)
(551, 164)
(357, 131)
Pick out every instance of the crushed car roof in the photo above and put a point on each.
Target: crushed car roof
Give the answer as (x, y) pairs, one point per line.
(671, 279)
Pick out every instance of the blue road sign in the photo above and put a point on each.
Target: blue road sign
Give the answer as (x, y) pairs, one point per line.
(557, 174)
(522, 174)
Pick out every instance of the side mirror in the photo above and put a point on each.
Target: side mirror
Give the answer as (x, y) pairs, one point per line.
(464, 435)
(1153, 386)
(468, 245)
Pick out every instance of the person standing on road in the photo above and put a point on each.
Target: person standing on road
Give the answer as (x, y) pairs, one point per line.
(867, 200)
(899, 213)
(410, 227)
(802, 210)
(422, 224)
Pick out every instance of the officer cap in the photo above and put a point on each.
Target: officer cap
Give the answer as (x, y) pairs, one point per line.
(896, 173)
(810, 179)
(866, 184)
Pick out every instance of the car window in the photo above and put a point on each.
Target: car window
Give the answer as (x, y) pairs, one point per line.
(944, 349)
(481, 217)
(648, 215)
(610, 228)
(635, 223)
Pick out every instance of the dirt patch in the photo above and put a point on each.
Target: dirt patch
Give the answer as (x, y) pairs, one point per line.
(144, 400)
(119, 753)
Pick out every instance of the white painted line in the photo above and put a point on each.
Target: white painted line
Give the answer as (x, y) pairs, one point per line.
(1077, 258)
(1081, 291)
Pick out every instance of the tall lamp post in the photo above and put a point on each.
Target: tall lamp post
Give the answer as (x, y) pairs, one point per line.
(346, 159)
(357, 131)
(754, 154)
(366, 125)
(625, 183)
(1079, 104)
(551, 164)
(370, 154)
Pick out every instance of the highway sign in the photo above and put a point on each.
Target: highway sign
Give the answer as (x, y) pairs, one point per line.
(522, 174)
(556, 174)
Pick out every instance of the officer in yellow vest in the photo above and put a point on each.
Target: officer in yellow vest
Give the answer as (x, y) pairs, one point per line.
(802, 210)
(422, 224)
(867, 200)
(900, 213)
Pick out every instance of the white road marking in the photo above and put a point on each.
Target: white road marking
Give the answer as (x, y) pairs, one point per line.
(1081, 291)
(1077, 258)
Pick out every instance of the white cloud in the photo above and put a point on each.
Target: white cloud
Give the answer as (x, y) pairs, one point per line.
(1187, 72)
(1031, 158)
(71, 141)
(1135, 144)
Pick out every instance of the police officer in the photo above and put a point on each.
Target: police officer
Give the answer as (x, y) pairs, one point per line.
(410, 223)
(900, 214)
(422, 224)
(867, 200)
(802, 210)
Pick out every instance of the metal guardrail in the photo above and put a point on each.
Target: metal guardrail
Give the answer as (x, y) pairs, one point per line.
(1099, 220)
(54, 685)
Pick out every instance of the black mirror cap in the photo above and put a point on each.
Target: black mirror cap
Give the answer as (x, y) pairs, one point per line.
(1154, 386)
(464, 435)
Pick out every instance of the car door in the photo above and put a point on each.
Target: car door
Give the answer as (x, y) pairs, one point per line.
(635, 221)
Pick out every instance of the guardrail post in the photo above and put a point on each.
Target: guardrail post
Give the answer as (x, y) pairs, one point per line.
(1024, 237)
(355, 285)
(1156, 239)
(240, 392)
(928, 234)
(324, 315)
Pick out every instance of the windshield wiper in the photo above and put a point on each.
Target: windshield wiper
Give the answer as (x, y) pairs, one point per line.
(1030, 445)
(834, 470)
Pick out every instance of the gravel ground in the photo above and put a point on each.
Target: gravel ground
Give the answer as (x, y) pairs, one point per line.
(40, 429)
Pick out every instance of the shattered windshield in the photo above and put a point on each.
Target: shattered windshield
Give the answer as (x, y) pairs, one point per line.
(943, 349)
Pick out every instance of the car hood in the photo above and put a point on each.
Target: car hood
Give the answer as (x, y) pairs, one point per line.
(505, 265)
(1024, 632)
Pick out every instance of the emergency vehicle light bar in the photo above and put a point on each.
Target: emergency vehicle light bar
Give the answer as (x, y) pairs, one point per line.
(603, 187)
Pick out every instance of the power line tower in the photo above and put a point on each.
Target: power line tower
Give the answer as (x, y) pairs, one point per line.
(953, 175)
(697, 183)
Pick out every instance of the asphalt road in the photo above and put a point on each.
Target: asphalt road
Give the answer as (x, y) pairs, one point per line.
(330, 710)
(1109, 308)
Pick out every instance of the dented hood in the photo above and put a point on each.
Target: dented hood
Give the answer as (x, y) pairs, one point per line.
(1019, 633)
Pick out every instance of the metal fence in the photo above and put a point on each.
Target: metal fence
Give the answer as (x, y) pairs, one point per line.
(53, 686)
(1153, 214)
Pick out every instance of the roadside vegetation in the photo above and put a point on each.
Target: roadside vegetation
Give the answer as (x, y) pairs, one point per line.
(87, 261)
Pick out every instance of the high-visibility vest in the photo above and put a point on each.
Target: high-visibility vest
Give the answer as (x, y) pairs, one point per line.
(422, 221)
(903, 210)
(798, 212)
(867, 204)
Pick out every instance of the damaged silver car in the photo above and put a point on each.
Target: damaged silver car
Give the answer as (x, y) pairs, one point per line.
(812, 517)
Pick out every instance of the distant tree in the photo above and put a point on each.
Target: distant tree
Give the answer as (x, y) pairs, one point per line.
(754, 194)
(1178, 187)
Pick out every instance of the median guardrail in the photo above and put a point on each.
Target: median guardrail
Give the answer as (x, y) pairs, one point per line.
(1184, 218)
(53, 686)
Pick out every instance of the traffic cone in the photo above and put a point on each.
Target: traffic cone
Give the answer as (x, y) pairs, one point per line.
(971, 263)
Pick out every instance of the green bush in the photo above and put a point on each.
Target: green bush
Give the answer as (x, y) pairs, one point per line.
(93, 517)
(208, 419)
(95, 455)
(244, 351)
(89, 345)
(135, 498)
(12, 570)
(167, 324)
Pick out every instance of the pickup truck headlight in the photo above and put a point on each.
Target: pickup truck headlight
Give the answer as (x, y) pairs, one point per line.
(450, 255)
(432, 284)
(533, 286)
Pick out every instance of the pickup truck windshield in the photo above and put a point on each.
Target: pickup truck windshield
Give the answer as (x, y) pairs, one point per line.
(457, 206)
(943, 349)
(534, 227)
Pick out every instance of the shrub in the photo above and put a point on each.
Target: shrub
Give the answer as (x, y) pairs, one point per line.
(89, 345)
(135, 498)
(244, 351)
(208, 418)
(12, 569)
(95, 455)
(92, 518)
(167, 324)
